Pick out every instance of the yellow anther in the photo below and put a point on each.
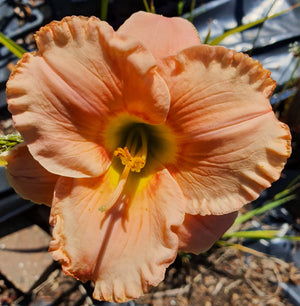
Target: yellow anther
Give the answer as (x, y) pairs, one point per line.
(124, 155)
(135, 163)
(132, 158)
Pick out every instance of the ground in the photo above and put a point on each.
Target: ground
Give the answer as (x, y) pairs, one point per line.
(222, 276)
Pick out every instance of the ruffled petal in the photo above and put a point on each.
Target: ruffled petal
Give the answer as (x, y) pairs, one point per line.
(125, 250)
(28, 178)
(230, 144)
(163, 36)
(198, 233)
(82, 75)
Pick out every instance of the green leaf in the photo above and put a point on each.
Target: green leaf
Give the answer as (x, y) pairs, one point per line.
(293, 185)
(260, 234)
(294, 181)
(208, 34)
(191, 17)
(7, 142)
(258, 211)
(180, 6)
(147, 8)
(152, 7)
(14, 48)
(104, 9)
(247, 26)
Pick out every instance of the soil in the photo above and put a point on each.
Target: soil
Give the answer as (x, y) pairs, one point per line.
(222, 276)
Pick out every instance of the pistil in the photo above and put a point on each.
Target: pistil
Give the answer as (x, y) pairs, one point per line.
(133, 156)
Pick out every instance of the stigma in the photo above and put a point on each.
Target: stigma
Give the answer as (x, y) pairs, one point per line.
(133, 157)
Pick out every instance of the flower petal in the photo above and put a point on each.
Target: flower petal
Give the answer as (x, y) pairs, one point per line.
(230, 144)
(28, 178)
(163, 36)
(83, 74)
(125, 250)
(198, 233)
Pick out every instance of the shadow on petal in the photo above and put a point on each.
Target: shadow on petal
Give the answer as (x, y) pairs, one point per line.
(198, 233)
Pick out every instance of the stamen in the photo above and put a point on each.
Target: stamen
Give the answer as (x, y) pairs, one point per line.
(118, 191)
(124, 155)
(129, 157)
(132, 160)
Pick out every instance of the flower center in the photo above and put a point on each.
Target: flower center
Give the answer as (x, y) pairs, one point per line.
(133, 156)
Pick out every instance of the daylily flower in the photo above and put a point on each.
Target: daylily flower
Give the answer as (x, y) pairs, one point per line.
(143, 141)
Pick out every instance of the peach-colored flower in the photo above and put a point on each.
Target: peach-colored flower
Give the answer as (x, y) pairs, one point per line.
(142, 140)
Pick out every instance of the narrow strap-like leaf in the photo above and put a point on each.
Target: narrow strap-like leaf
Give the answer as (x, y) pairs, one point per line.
(247, 26)
(258, 211)
(260, 234)
(147, 8)
(17, 50)
(104, 10)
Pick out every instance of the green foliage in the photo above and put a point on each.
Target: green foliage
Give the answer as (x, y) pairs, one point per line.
(268, 206)
(280, 198)
(180, 6)
(261, 234)
(191, 17)
(150, 9)
(7, 142)
(208, 34)
(104, 9)
(14, 48)
(147, 8)
(247, 26)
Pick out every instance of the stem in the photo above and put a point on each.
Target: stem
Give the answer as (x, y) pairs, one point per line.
(152, 7)
(146, 6)
(260, 234)
(261, 210)
(180, 6)
(104, 9)
(14, 48)
(191, 17)
(260, 27)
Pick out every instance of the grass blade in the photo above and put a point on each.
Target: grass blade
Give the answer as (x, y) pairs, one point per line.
(180, 6)
(147, 8)
(208, 34)
(14, 48)
(152, 7)
(258, 211)
(191, 17)
(104, 9)
(240, 248)
(260, 234)
(247, 26)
